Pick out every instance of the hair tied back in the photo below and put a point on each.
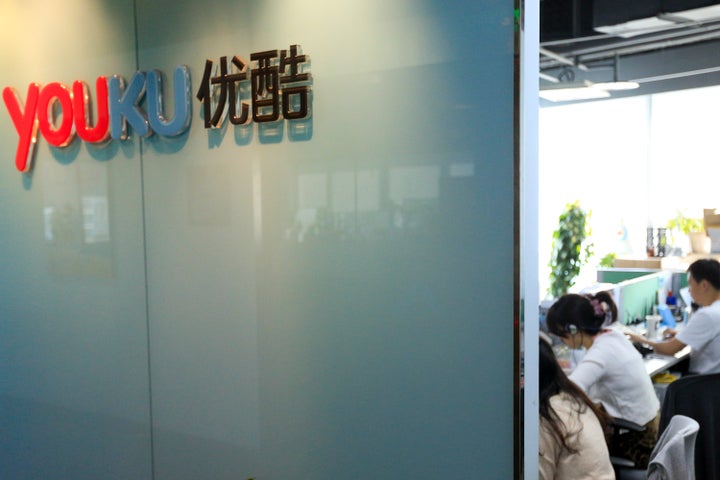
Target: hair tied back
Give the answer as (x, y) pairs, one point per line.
(598, 307)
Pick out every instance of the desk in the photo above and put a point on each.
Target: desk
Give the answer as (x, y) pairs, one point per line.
(656, 363)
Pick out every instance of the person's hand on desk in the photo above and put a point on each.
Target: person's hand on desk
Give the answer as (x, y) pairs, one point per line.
(669, 333)
(636, 337)
(669, 346)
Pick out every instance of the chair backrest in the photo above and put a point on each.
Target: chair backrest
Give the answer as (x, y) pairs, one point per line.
(697, 397)
(674, 454)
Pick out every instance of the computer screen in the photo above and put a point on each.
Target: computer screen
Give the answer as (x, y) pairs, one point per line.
(685, 296)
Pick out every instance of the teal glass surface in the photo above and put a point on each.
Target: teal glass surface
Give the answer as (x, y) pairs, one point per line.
(329, 298)
(74, 382)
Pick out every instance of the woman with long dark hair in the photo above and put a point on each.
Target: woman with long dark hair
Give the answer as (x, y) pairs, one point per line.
(612, 372)
(572, 437)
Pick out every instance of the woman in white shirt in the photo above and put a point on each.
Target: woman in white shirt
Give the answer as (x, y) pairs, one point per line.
(612, 371)
(572, 441)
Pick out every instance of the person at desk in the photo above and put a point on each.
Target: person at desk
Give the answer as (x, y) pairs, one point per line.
(612, 372)
(702, 331)
(572, 438)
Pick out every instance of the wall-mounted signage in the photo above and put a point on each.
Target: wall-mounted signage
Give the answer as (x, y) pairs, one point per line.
(274, 85)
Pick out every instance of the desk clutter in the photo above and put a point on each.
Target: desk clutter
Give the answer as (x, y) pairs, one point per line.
(661, 381)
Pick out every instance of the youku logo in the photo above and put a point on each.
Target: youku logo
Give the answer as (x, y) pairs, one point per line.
(273, 85)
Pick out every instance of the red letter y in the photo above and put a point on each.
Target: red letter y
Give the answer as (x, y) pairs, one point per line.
(25, 122)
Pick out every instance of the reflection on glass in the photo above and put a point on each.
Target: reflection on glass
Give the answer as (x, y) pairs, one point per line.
(76, 219)
(372, 203)
(462, 170)
(409, 184)
(96, 224)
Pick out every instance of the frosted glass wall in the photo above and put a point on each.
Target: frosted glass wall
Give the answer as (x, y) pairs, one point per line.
(74, 384)
(327, 298)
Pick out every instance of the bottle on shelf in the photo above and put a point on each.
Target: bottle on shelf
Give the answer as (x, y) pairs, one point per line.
(650, 242)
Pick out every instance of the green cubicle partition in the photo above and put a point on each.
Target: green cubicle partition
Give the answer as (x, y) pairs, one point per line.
(617, 275)
(638, 296)
(638, 289)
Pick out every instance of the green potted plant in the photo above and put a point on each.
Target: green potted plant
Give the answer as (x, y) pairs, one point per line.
(693, 228)
(608, 261)
(570, 248)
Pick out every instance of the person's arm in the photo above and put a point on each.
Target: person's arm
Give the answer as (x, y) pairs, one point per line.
(666, 347)
(587, 373)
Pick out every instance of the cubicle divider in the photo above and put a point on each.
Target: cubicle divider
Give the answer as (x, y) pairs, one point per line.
(638, 296)
(617, 275)
(636, 291)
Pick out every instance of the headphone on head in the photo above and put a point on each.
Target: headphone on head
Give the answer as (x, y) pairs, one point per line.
(571, 328)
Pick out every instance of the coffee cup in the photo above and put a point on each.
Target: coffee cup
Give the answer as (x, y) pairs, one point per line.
(651, 323)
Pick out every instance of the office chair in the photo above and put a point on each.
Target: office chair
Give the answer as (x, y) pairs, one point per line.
(625, 469)
(674, 454)
(672, 458)
(697, 397)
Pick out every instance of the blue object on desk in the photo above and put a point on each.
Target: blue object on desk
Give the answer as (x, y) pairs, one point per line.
(667, 317)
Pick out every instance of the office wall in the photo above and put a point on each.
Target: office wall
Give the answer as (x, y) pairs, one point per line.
(73, 326)
(322, 299)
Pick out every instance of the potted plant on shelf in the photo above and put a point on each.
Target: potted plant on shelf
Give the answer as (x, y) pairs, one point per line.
(693, 228)
(570, 248)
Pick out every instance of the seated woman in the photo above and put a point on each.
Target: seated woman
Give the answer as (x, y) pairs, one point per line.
(612, 371)
(572, 441)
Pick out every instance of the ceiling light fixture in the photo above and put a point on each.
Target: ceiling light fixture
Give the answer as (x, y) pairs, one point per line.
(586, 90)
(567, 92)
(662, 21)
(616, 84)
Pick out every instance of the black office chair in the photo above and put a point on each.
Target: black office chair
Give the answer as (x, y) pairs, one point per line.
(698, 397)
(625, 469)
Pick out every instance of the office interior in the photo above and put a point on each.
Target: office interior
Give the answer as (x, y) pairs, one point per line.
(314, 297)
(631, 140)
(654, 69)
(637, 155)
